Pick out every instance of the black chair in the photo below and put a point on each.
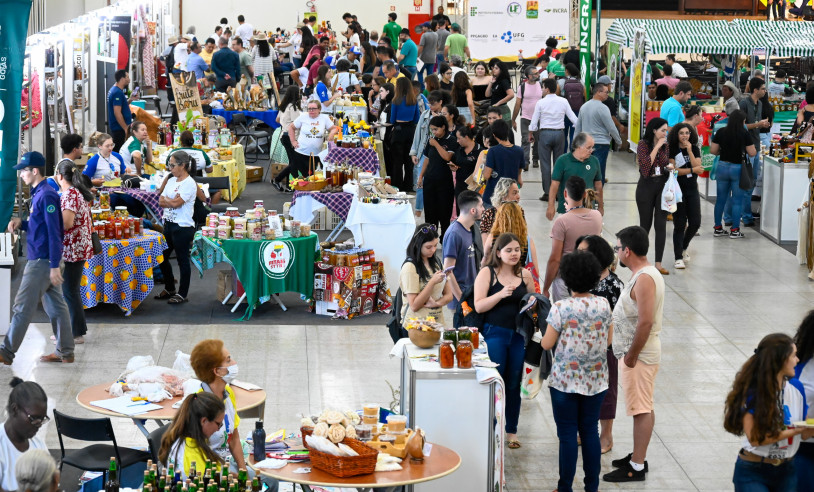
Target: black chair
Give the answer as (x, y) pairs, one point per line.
(95, 457)
(219, 183)
(154, 440)
(247, 136)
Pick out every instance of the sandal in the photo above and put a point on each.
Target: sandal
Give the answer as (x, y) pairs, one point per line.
(165, 294)
(177, 299)
(513, 444)
(607, 450)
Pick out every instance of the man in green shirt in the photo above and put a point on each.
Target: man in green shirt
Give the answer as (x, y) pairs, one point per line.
(578, 162)
(456, 44)
(392, 30)
(246, 68)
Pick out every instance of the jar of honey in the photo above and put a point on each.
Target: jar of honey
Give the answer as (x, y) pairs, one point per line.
(475, 337)
(447, 355)
(464, 354)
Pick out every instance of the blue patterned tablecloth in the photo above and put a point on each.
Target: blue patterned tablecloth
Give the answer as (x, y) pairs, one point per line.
(122, 274)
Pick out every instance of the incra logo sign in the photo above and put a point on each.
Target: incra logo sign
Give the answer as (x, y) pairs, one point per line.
(556, 11)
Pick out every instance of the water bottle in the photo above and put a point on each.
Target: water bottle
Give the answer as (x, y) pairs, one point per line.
(259, 441)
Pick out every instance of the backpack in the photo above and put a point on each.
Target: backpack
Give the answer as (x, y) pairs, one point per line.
(394, 325)
(523, 87)
(574, 92)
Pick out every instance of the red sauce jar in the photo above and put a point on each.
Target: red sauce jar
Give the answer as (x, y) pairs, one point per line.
(464, 354)
(446, 356)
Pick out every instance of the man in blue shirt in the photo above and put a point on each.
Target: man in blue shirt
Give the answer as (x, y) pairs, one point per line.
(226, 65)
(463, 250)
(118, 109)
(42, 277)
(409, 52)
(672, 109)
(195, 63)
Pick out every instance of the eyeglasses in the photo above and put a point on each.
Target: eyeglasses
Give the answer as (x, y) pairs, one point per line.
(428, 229)
(313, 109)
(170, 165)
(219, 424)
(38, 420)
(617, 249)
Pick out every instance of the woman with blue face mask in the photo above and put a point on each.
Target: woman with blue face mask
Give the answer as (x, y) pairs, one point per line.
(216, 369)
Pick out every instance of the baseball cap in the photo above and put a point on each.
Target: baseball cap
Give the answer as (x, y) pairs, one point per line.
(30, 159)
(604, 80)
(424, 24)
(355, 50)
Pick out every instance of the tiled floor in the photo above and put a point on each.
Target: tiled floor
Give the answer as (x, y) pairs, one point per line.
(732, 294)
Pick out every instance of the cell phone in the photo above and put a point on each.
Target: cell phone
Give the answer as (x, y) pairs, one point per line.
(448, 269)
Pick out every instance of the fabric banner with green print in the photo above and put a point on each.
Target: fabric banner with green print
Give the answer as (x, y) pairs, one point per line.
(272, 267)
(585, 45)
(13, 29)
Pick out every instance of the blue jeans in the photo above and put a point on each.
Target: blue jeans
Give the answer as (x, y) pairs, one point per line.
(413, 71)
(507, 349)
(577, 414)
(569, 133)
(601, 153)
(419, 192)
(428, 68)
(746, 210)
(439, 59)
(804, 463)
(763, 477)
(728, 181)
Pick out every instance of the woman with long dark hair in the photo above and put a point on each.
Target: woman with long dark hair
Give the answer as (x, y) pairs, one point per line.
(463, 96)
(262, 57)
(730, 143)
(653, 157)
(454, 119)
(499, 289)
(322, 91)
(424, 290)
(685, 161)
(290, 109)
(500, 90)
(368, 61)
(445, 72)
(187, 438)
(804, 372)
(436, 175)
(761, 407)
(404, 115)
(480, 82)
(137, 150)
(77, 245)
(465, 157)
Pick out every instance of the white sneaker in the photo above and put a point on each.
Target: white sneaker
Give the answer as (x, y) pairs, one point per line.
(679, 265)
(685, 256)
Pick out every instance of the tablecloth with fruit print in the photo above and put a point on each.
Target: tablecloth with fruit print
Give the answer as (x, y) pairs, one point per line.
(122, 274)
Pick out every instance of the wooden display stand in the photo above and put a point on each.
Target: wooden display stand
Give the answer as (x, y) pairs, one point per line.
(797, 153)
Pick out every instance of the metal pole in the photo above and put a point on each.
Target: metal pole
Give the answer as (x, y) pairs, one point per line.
(598, 34)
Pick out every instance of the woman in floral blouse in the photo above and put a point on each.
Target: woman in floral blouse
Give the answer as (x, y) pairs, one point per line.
(77, 245)
(609, 287)
(580, 328)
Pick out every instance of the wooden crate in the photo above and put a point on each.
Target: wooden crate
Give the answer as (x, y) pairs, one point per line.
(276, 168)
(254, 174)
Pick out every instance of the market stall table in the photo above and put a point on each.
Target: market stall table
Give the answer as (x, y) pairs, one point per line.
(229, 163)
(366, 159)
(122, 274)
(441, 462)
(384, 227)
(264, 268)
(785, 188)
(306, 203)
(268, 117)
(249, 404)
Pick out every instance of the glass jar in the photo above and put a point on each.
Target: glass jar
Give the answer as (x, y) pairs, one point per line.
(464, 334)
(464, 354)
(447, 356)
(475, 337)
(451, 335)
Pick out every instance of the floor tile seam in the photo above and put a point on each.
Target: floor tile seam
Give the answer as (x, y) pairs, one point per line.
(675, 459)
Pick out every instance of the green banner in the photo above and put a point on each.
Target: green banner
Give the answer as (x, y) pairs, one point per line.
(614, 62)
(585, 45)
(13, 30)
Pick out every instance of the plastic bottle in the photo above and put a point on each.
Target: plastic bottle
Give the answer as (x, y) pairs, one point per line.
(259, 441)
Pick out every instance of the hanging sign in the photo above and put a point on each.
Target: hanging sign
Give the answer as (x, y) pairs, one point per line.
(585, 45)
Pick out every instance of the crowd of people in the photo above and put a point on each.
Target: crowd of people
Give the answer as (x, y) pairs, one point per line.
(448, 133)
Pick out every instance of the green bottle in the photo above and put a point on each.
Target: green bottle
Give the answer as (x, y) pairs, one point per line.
(256, 484)
(112, 484)
(242, 478)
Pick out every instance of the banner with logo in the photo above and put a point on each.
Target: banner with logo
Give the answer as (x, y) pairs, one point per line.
(187, 97)
(585, 45)
(614, 62)
(13, 29)
(511, 28)
(638, 72)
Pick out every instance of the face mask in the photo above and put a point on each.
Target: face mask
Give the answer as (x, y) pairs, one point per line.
(231, 375)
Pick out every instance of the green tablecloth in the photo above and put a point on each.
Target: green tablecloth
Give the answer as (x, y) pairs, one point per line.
(263, 267)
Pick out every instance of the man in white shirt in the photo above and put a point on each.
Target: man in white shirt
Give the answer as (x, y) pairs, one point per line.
(218, 32)
(549, 119)
(181, 53)
(244, 31)
(678, 70)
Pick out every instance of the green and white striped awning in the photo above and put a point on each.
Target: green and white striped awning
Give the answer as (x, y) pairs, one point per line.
(790, 38)
(720, 37)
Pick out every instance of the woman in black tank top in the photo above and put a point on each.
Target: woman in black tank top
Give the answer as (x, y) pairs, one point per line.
(499, 290)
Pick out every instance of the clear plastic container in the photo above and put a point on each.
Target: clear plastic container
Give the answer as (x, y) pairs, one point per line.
(371, 409)
(364, 432)
(370, 420)
(396, 424)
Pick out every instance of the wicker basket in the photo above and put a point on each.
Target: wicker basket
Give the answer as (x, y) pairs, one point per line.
(343, 466)
(311, 186)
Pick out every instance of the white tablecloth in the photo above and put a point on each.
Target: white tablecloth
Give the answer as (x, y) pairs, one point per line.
(387, 229)
(304, 209)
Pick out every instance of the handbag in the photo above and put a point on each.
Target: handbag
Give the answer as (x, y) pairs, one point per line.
(533, 371)
(97, 243)
(747, 178)
(531, 267)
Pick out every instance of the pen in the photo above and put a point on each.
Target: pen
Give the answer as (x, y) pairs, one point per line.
(138, 404)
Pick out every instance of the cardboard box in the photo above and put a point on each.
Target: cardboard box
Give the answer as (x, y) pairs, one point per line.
(276, 168)
(254, 174)
(325, 308)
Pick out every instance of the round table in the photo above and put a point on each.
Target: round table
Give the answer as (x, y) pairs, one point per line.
(122, 274)
(244, 400)
(441, 462)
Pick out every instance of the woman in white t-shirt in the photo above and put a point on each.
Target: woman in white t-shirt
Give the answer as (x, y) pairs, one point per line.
(137, 149)
(177, 198)
(27, 411)
(762, 407)
(344, 79)
(106, 164)
(313, 128)
(322, 91)
(290, 110)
